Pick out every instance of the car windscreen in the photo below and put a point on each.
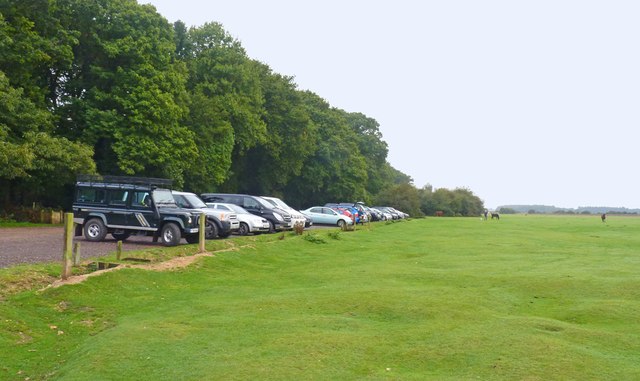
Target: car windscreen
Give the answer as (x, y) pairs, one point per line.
(264, 203)
(238, 209)
(164, 197)
(195, 201)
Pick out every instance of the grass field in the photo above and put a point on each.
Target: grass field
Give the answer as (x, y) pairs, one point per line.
(523, 298)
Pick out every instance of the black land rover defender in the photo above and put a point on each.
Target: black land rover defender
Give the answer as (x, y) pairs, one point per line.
(124, 206)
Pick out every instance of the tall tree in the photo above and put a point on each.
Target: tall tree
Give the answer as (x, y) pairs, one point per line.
(372, 147)
(34, 165)
(125, 94)
(226, 105)
(336, 171)
(291, 138)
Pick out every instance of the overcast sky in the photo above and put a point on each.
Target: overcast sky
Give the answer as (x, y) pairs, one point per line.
(522, 102)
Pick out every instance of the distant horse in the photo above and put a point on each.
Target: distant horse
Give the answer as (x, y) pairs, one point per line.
(604, 217)
(495, 215)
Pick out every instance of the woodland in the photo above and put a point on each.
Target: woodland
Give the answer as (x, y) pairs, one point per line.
(111, 87)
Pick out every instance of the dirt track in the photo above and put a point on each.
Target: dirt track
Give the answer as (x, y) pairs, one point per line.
(38, 245)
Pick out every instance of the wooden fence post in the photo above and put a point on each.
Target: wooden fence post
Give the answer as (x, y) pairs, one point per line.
(67, 253)
(119, 250)
(76, 254)
(201, 236)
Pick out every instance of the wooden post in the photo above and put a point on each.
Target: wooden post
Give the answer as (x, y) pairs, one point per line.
(76, 254)
(67, 252)
(119, 250)
(201, 237)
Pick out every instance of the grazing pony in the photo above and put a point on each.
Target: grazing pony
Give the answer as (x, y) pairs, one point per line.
(495, 215)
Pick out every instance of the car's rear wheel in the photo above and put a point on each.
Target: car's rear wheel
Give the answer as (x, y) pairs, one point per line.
(94, 230)
(244, 229)
(170, 234)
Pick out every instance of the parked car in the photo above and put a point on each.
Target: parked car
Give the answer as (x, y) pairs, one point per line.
(391, 212)
(384, 215)
(219, 223)
(278, 218)
(350, 209)
(296, 216)
(249, 223)
(327, 216)
(123, 206)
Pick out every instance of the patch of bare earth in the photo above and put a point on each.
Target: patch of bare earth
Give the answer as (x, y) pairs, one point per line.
(172, 264)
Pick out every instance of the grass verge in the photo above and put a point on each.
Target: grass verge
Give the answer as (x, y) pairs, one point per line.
(535, 297)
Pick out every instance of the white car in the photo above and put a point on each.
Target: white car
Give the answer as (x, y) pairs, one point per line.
(296, 216)
(249, 223)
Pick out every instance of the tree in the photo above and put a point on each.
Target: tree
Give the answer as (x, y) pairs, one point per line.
(226, 105)
(335, 171)
(404, 197)
(291, 138)
(125, 93)
(34, 165)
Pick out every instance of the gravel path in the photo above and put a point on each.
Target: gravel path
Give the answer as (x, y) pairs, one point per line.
(38, 245)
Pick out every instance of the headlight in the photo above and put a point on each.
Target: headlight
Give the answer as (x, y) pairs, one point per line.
(278, 217)
(189, 220)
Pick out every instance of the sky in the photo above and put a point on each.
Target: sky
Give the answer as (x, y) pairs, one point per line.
(521, 102)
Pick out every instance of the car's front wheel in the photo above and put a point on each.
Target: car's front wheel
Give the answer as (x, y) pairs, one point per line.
(170, 234)
(341, 223)
(94, 230)
(244, 229)
(210, 230)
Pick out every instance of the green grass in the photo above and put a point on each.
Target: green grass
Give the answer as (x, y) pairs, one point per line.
(524, 298)
(15, 224)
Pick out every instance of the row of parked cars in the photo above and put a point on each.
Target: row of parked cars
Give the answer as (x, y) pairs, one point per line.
(125, 206)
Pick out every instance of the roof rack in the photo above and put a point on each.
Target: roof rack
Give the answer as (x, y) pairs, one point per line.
(107, 179)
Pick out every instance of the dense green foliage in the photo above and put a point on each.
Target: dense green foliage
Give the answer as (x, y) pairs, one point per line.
(111, 87)
(523, 298)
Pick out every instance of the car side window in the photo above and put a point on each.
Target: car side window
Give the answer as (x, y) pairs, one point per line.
(316, 210)
(91, 195)
(250, 203)
(180, 201)
(118, 197)
(141, 199)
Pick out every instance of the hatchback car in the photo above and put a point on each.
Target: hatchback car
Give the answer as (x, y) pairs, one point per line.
(327, 216)
(249, 223)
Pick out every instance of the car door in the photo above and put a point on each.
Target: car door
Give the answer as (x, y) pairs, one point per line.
(141, 212)
(116, 213)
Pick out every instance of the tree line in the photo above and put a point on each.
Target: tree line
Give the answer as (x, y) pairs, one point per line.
(111, 87)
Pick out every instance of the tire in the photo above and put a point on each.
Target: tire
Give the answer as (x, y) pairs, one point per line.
(121, 236)
(224, 235)
(272, 227)
(94, 230)
(341, 223)
(170, 234)
(244, 229)
(210, 230)
(192, 238)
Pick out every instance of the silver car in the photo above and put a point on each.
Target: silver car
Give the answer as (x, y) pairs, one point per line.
(249, 223)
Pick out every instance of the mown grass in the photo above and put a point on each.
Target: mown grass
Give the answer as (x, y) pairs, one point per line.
(524, 298)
